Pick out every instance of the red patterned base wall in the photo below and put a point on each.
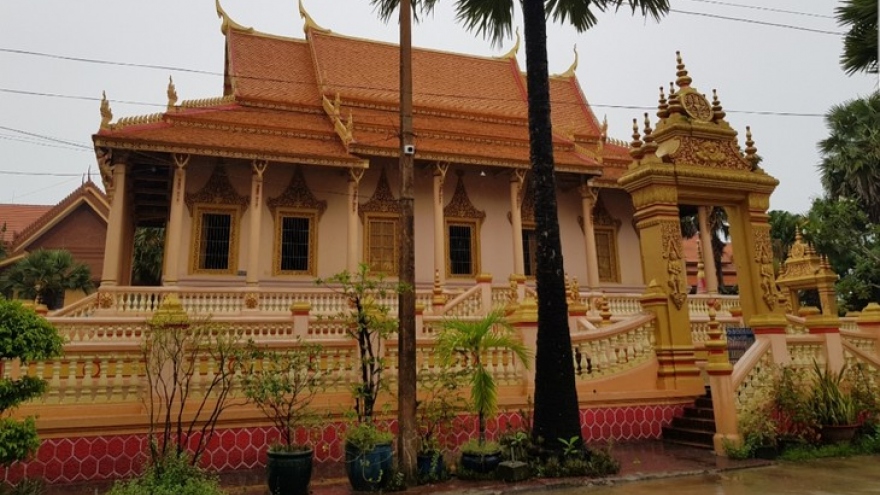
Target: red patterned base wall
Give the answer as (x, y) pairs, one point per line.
(66, 460)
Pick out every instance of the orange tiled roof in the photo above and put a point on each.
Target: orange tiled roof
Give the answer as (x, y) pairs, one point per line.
(331, 99)
(88, 192)
(19, 217)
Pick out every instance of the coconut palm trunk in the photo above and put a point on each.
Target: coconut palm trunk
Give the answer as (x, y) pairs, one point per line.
(556, 402)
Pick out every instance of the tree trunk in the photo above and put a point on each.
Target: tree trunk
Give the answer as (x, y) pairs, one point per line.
(406, 341)
(556, 404)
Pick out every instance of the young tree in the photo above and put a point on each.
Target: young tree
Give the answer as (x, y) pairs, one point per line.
(27, 337)
(149, 247)
(49, 274)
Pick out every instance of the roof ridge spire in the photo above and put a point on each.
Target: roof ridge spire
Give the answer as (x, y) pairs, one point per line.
(172, 94)
(310, 23)
(662, 107)
(227, 21)
(751, 150)
(650, 146)
(683, 79)
(636, 144)
(717, 110)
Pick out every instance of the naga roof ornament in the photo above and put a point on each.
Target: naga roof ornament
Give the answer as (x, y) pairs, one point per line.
(310, 23)
(574, 65)
(228, 22)
(106, 113)
(513, 51)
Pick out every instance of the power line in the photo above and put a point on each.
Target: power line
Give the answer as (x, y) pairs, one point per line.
(47, 138)
(38, 143)
(762, 23)
(766, 9)
(592, 105)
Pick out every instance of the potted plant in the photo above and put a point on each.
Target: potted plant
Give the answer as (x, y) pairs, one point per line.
(834, 406)
(282, 384)
(368, 451)
(469, 340)
(439, 406)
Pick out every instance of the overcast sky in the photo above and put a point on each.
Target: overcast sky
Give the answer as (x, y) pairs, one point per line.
(777, 79)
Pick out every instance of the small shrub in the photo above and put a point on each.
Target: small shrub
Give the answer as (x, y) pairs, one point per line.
(602, 462)
(34, 486)
(173, 475)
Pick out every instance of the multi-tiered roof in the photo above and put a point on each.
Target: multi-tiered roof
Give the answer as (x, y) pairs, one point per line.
(333, 100)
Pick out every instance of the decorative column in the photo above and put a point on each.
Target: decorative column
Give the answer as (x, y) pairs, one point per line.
(759, 296)
(354, 180)
(174, 232)
(258, 168)
(439, 251)
(114, 168)
(525, 320)
(708, 252)
(517, 183)
(869, 322)
(589, 196)
(828, 327)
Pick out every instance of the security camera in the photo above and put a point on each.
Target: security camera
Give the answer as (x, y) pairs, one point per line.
(409, 150)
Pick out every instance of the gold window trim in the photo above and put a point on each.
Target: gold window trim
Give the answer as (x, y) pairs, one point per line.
(460, 211)
(312, 215)
(474, 224)
(235, 212)
(367, 218)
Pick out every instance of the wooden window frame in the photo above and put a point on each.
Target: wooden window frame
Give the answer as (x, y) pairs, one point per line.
(234, 228)
(474, 224)
(368, 219)
(612, 250)
(280, 214)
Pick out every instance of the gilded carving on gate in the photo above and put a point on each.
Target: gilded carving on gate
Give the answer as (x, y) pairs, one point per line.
(764, 259)
(672, 253)
(712, 153)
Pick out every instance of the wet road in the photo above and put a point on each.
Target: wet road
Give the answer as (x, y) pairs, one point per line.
(854, 476)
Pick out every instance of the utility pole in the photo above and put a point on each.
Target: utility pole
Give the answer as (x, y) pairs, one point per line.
(406, 340)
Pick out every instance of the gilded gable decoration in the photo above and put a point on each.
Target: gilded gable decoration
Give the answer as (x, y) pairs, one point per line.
(297, 195)
(513, 51)
(343, 128)
(574, 65)
(218, 191)
(460, 205)
(383, 200)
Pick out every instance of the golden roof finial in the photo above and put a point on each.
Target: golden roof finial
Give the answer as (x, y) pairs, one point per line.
(574, 65)
(650, 145)
(172, 94)
(636, 144)
(662, 106)
(604, 134)
(106, 113)
(684, 80)
(717, 110)
(310, 23)
(751, 151)
(227, 21)
(674, 102)
(513, 51)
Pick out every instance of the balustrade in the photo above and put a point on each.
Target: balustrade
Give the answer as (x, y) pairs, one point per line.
(614, 349)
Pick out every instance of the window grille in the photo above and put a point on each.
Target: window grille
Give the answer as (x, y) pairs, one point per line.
(215, 240)
(461, 249)
(295, 244)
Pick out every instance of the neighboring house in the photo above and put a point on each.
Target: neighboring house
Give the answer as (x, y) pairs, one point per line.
(78, 224)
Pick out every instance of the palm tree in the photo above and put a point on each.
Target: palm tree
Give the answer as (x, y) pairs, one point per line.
(850, 166)
(470, 340)
(149, 245)
(860, 43)
(47, 274)
(556, 404)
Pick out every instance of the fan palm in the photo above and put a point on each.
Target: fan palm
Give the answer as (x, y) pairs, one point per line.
(860, 43)
(470, 340)
(850, 166)
(47, 274)
(556, 403)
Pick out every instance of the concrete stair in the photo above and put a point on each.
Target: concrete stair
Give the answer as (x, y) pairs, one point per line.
(696, 427)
